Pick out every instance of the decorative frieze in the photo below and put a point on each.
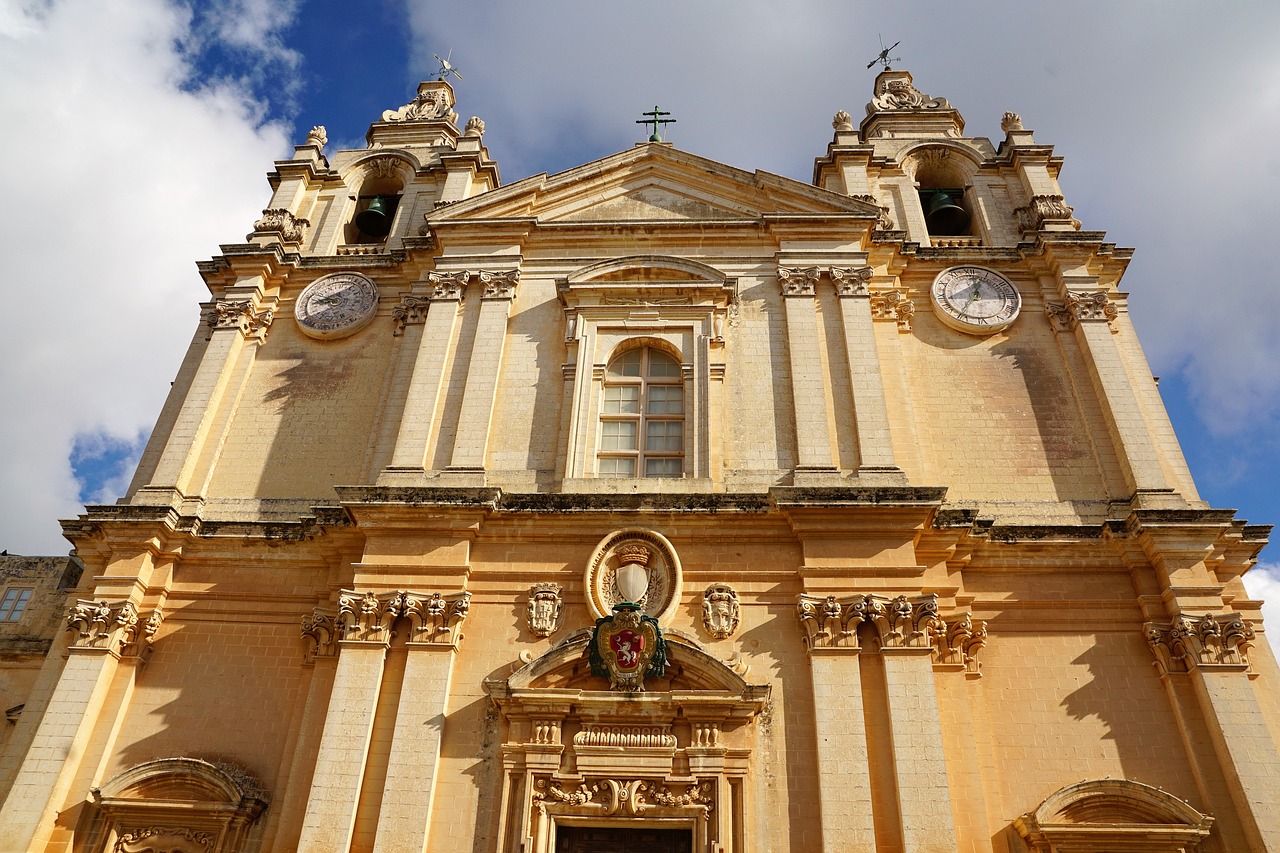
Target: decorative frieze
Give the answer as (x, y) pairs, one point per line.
(1210, 641)
(647, 736)
(626, 796)
(1082, 307)
(412, 311)
(433, 618)
(799, 282)
(545, 610)
(720, 611)
(238, 314)
(1042, 209)
(893, 305)
(852, 281)
(498, 285)
(114, 626)
(902, 622)
(320, 632)
(281, 221)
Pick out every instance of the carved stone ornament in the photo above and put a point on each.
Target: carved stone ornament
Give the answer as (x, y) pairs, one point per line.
(851, 281)
(893, 305)
(720, 611)
(385, 167)
(1215, 640)
(317, 136)
(884, 222)
(895, 91)
(594, 734)
(448, 285)
(412, 311)
(627, 648)
(632, 797)
(1082, 307)
(799, 282)
(433, 101)
(475, 127)
(1045, 208)
(279, 220)
(153, 838)
(901, 622)
(1010, 122)
(114, 626)
(661, 593)
(320, 631)
(498, 285)
(239, 314)
(842, 122)
(433, 618)
(546, 609)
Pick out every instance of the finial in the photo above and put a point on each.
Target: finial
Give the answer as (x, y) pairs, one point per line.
(842, 121)
(446, 67)
(317, 136)
(883, 57)
(475, 127)
(655, 121)
(1010, 122)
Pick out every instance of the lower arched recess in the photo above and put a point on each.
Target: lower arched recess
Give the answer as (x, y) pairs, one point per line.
(1113, 816)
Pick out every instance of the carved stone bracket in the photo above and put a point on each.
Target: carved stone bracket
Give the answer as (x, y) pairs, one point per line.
(433, 618)
(546, 609)
(1045, 208)
(114, 626)
(448, 285)
(320, 632)
(799, 282)
(412, 311)
(720, 611)
(626, 796)
(851, 281)
(1082, 307)
(498, 285)
(239, 314)
(960, 645)
(901, 622)
(893, 305)
(1212, 641)
(281, 221)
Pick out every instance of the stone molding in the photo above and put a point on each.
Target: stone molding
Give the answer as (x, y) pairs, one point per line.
(720, 611)
(893, 305)
(238, 314)
(545, 611)
(282, 222)
(434, 619)
(412, 311)
(1098, 815)
(904, 622)
(112, 626)
(1218, 641)
(1082, 307)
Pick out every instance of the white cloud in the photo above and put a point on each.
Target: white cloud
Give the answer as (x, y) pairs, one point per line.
(121, 170)
(1263, 581)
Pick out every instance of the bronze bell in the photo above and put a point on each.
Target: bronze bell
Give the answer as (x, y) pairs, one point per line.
(375, 220)
(945, 217)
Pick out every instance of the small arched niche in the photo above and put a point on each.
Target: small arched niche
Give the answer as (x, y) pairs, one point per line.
(1106, 815)
(672, 759)
(175, 805)
(943, 177)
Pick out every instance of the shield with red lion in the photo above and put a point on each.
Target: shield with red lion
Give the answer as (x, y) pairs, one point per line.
(627, 647)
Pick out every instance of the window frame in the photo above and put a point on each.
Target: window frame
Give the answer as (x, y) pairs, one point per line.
(645, 382)
(17, 603)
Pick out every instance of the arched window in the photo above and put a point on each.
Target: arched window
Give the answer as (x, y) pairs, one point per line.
(642, 416)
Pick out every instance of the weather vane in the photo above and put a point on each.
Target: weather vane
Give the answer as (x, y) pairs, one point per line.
(447, 67)
(884, 57)
(655, 121)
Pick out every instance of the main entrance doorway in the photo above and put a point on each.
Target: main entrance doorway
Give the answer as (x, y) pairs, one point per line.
(592, 839)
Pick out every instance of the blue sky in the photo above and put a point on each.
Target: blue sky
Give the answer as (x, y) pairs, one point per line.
(160, 121)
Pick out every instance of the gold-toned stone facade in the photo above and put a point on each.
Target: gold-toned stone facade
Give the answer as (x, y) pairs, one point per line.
(919, 589)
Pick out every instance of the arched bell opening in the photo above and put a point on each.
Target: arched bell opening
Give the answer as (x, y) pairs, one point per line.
(580, 758)
(380, 188)
(943, 178)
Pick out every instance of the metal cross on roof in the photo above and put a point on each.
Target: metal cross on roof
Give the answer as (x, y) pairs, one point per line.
(655, 121)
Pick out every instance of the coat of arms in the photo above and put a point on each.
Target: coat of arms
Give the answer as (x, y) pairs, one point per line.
(627, 647)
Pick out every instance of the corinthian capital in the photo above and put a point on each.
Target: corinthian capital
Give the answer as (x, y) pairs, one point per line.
(1215, 640)
(799, 282)
(113, 626)
(498, 285)
(239, 314)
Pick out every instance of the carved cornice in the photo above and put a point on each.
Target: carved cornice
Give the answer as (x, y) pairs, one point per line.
(320, 632)
(281, 221)
(434, 619)
(1082, 307)
(238, 314)
(851, 281)
(113, 626)
(448, 285)
(904, 622)
(498, 285)
(412, 311)
(1212, 641)
(799, 282)
(893, 305)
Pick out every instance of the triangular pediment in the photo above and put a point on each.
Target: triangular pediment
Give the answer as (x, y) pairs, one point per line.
(652, 183)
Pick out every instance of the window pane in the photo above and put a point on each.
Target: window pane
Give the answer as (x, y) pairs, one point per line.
(21, 605)
(617, 466)
(664, 436)
(627, 364)
(622, 399)
(662, 467)
(666, 400)
(13, 603)
(663, 366)
(618, 435)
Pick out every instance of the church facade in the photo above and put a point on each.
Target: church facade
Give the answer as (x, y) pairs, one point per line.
(659, 505)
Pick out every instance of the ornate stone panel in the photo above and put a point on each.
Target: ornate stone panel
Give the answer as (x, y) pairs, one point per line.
(720, 611)
(546, 609)
(662, 596)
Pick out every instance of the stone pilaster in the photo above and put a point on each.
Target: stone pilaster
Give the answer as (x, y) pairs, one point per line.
(808, 386)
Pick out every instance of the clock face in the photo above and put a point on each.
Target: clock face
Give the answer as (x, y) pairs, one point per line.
(975, 300)
(336, 305)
